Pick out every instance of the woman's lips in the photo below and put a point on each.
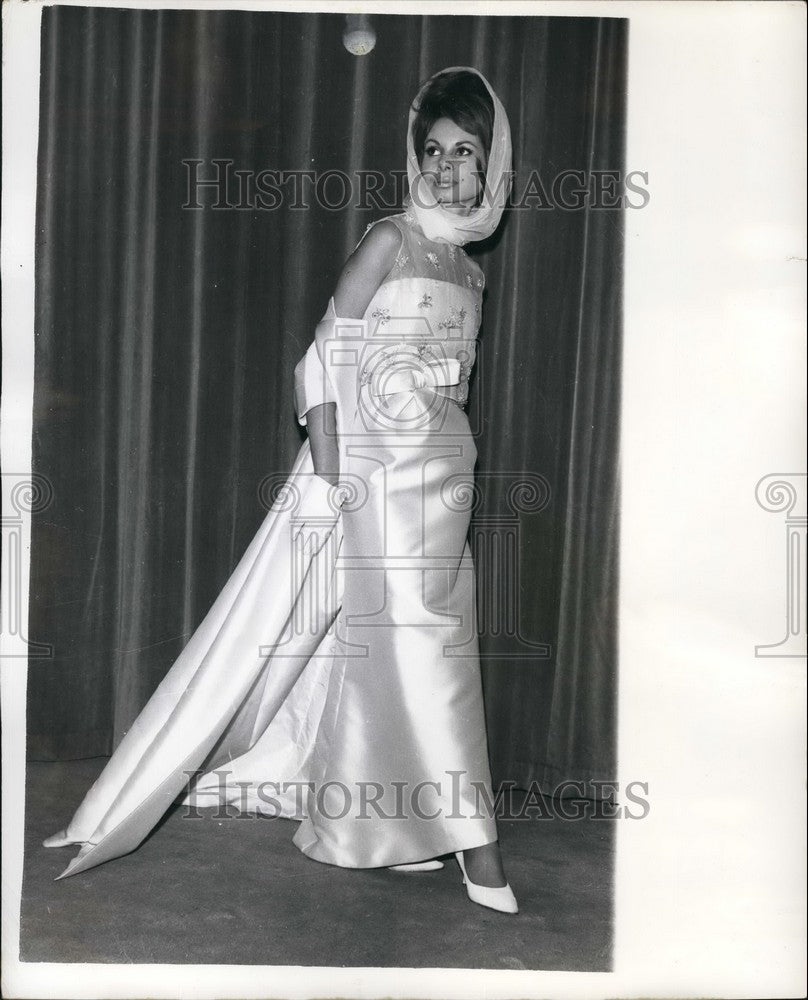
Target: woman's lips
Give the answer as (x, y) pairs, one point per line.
(444, 190)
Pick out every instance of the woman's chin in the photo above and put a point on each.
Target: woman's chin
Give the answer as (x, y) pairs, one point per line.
(456, 207)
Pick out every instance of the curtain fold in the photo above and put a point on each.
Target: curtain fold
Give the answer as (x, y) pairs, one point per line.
(166, 338)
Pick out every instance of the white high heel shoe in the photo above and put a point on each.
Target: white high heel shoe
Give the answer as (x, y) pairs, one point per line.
(418, 866)
(59, 839)
(499, 897)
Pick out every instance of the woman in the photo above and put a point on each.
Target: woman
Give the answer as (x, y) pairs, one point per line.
(372, 715)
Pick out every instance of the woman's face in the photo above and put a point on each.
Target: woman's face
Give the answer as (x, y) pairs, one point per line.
(451, 164)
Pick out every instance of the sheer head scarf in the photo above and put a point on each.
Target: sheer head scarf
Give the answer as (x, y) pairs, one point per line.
(438, 223)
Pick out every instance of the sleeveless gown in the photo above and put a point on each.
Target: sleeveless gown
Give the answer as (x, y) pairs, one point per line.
(336, 679)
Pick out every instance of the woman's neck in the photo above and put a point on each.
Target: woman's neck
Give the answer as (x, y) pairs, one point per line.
(413, 223)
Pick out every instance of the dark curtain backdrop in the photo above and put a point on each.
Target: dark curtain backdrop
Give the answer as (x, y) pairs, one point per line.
(166, 340)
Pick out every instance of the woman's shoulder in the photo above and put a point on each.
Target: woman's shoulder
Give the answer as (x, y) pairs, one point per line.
(368, 266)
(382, 237)
(392, 228)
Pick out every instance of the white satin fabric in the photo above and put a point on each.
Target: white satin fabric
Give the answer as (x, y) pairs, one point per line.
(403, 714)
(234, 676)
(341, 657)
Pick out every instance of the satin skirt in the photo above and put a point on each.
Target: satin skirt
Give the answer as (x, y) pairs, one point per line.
(400, 763)
(336, 679)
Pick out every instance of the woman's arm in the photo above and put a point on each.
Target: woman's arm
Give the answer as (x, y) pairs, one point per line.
(364, 271)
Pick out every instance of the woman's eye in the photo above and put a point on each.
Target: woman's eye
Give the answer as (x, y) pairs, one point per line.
(431, 151)
(464, 151)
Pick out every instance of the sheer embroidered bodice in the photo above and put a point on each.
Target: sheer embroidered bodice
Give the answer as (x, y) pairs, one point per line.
(427, 310)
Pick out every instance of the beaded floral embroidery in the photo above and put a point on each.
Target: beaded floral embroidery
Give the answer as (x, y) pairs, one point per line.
(383, 315)
(381, 361)
(392, 356)
(426, 301)
(465, 366)
(432, 258)
(454, 320)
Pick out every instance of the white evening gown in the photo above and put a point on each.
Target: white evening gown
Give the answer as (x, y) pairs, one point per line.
(338, 683)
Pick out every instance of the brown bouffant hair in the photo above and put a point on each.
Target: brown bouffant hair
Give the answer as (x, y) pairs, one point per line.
(463, 97)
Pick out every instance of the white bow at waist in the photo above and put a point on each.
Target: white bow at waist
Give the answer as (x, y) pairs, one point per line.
(421, 375)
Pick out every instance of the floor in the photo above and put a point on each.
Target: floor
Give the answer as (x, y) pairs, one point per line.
(237, 891)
